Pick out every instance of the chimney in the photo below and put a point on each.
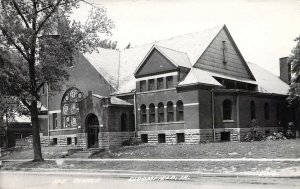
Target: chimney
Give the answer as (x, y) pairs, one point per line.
(285, 70)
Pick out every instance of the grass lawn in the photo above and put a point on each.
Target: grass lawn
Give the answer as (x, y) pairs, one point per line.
(262, 149)
(27, 153)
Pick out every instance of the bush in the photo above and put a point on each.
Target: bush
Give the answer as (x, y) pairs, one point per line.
(132, 142)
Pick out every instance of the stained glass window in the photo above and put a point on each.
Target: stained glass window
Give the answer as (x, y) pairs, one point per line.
(70, 108)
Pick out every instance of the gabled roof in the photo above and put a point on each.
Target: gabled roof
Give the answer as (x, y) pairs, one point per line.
(197, 76)
(177, 58)
(267, 81)
(118, 67)
(106, 62)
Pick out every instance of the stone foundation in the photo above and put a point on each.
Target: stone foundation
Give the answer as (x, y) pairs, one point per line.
(191, 136)
(113, 139)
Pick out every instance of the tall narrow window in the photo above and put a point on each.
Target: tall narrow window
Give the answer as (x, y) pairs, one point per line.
(160, 83)
(179, 110)
(169, 82)
(55, 121)
(160, 112)
(170, 109)
(227, 110)
(224, 49)
(124, 122)
(278, 112)
(151, 85)
(143, 86)
(143, 114)
(252, 110)
(151, 113)
(267, 113)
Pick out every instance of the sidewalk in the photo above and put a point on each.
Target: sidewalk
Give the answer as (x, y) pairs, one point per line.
(169, 160)
(198, 167)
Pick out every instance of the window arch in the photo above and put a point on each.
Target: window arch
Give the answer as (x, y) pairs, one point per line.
(70, 108)
(267, 113)
(161, 112)
(124, 122)
(151, 113)
(179, 111)
(227, 109)
(170, 110)
(252, 110)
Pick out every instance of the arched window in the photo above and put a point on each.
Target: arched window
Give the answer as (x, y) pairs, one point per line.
(227, 110)
(70, 108)
(143, 114)
(179, 110)
(151, 113)
(170, 109)
(124, 122)
(160, 112)
(252, 110)
(267, 114)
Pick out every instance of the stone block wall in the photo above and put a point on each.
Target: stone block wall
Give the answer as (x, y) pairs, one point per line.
(113, 139)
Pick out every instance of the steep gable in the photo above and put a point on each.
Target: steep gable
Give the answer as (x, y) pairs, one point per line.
(155, 62)
(213, 58)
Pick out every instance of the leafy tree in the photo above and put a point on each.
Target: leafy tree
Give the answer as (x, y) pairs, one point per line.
(38, 42)
(294, 60)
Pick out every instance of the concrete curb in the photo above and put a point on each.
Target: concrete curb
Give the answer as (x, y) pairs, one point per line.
(129, 173)
(168, 160)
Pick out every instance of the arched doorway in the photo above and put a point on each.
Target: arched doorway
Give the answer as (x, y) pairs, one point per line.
(92, 125)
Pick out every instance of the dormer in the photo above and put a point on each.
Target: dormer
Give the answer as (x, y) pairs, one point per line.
(162, 68)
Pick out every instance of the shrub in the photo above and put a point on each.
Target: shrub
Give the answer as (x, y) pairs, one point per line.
(132, 142)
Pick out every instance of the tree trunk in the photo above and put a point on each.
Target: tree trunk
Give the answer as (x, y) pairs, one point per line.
(37, 152)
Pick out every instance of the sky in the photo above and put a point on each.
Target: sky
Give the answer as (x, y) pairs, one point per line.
(264, 30)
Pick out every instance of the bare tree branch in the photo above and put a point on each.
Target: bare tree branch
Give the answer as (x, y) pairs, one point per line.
(13, 42)
(48, 16)
(20, 13)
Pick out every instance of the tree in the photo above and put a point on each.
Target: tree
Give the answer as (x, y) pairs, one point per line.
(294, 60)
(38, 42)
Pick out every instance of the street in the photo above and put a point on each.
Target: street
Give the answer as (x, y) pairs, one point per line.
(79, 180)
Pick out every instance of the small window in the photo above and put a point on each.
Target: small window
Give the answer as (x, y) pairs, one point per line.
(169, 82)
(160, 112)
(161, 138)
(180, 137)
(151, 113)
(179, 110)
(75, 140)
(54, 141)
(252, 110)
(170, 109)
(151, 85)
(144, 138)
(143, 86)
(267, 113)
(143, 114)
(267, 132)
(225, 136)
(160, 83)
(55, 121)
(69, 141)
(227, 110)
(18, 136)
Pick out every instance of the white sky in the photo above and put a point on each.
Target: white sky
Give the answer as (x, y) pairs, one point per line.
(263, 30)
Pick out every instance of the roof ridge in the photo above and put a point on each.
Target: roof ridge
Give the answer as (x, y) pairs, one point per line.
(180, 35)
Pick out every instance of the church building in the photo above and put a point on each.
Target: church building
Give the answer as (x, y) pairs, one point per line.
(186, 89)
